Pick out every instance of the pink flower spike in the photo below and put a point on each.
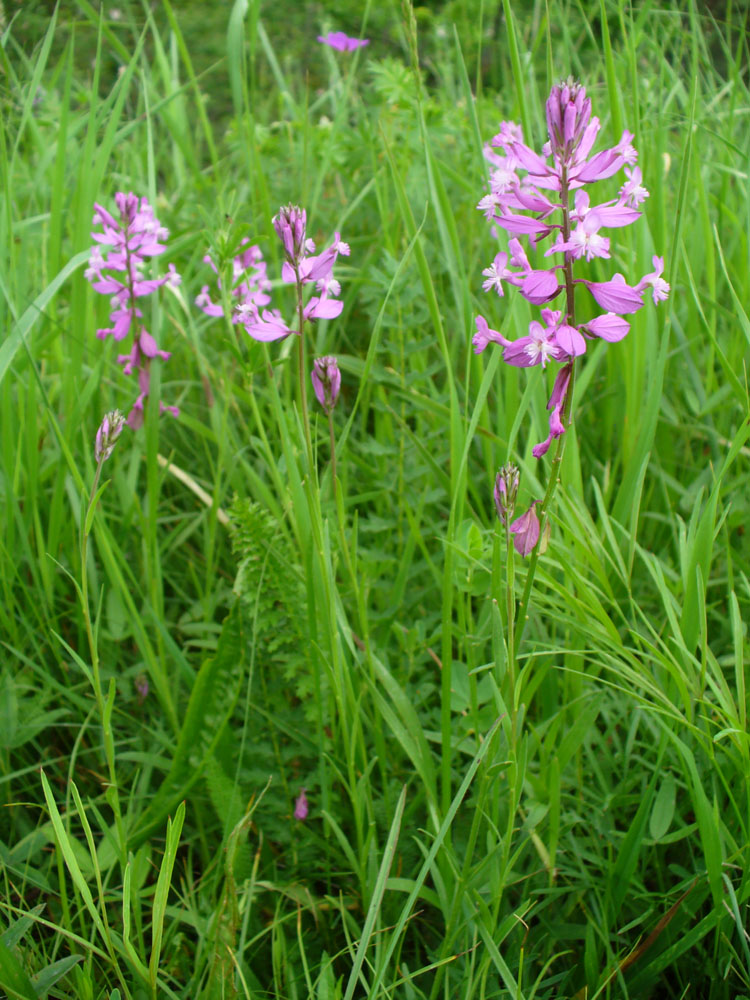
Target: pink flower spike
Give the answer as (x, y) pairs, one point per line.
(341, 42)
(525, 531)
(654, 281)
(609, 326)
(616, 295)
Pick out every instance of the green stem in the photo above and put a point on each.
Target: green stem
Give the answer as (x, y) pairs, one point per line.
(105, 716)
(302, 373)
(554, 476)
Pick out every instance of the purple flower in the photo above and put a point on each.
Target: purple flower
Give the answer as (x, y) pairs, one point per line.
(654, 281)
(556, 405)
(107, 435)
(250, 284)
(326, 380)
(290, 223)
(124, 246)
(529, 195)
(301, 807)
(341, 42)
(525, 530)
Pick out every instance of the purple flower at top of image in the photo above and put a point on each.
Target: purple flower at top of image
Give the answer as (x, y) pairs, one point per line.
(122, 251)
(541, 195)
(341, 42)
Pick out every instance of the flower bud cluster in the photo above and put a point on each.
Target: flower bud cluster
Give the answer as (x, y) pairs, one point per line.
(107, 435)
(530, 197)
(116, 266)
(326, 380)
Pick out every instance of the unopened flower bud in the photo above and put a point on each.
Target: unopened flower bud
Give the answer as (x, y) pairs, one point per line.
(326, 380)
(108, 433)
(290, 228)
(568, 115)
(506, 491)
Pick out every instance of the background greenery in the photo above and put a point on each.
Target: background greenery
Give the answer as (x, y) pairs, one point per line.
(605, 851)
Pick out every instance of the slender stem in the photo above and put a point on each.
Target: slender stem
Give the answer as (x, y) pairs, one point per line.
(108, 741)
(302, 372)
(332, 440)
(554, 476)
(510, 604)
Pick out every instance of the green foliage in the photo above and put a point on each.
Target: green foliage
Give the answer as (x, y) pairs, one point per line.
(349, 637)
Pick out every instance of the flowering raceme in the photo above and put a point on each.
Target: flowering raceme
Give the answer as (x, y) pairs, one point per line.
(128, 243)
(534, 198)
(301, 267)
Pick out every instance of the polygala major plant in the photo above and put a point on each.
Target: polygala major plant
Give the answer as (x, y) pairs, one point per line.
(128, 243)
(540, 196)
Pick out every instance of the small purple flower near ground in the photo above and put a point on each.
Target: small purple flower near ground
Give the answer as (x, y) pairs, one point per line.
(301, 807)
(341, 42)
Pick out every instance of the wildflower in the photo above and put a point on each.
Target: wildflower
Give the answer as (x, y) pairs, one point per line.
(141, 686)
(341, 42)
(250, 284)
(129, 242)
(107, 435)
(530, 195)
(289, 224)
(525, 530)
(301, 807)
(506, 491)
(326, 380)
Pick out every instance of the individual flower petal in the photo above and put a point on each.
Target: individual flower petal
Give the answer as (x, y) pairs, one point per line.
(609, 326)
(615, 295)
(323, 308)
(570, 340)
(525, 530)
(540, 286)
(270, 327)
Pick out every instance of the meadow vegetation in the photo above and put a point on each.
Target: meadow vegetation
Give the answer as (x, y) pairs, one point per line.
(262, 731)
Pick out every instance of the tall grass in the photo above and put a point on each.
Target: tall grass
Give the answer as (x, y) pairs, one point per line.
(348, 637)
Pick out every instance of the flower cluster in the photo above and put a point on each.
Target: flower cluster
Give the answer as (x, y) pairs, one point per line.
(341, 42)
(326, 380)
(301, 267)
(116, 268)
(530, 197)
(250, 284)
